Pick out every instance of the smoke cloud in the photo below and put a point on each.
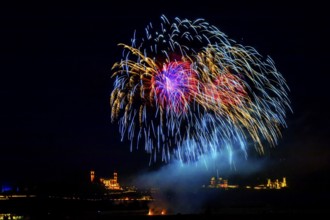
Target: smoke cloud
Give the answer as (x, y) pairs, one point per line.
(182, 187)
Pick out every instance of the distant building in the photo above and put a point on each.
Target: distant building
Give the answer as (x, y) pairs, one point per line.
(276, 184)
(220, 183)
(111, 184)
(92, 175)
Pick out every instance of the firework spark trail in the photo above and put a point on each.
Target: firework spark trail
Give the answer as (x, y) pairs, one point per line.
(185, 89)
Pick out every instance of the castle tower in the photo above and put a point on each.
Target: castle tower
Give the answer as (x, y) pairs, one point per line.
(277, 184)
(115, 177)
(269, 183)
(92, 175)
(284, 182)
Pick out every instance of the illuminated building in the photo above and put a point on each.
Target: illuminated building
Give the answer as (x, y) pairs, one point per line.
(92, 175)
(276, 184)
(111, 184)
(10, 216)
(220, 183)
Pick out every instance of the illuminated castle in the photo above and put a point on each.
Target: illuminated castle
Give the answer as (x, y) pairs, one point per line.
(276, 184)
(220, 183)
(111, 184)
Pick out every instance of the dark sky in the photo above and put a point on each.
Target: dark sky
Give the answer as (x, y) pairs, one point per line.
(55, 65)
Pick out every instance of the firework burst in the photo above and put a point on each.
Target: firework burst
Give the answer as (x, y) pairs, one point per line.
(184, 89)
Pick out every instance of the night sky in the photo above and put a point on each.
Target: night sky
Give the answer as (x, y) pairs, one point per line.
(55, 66)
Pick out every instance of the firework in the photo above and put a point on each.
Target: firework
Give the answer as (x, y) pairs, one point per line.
(184, 89)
